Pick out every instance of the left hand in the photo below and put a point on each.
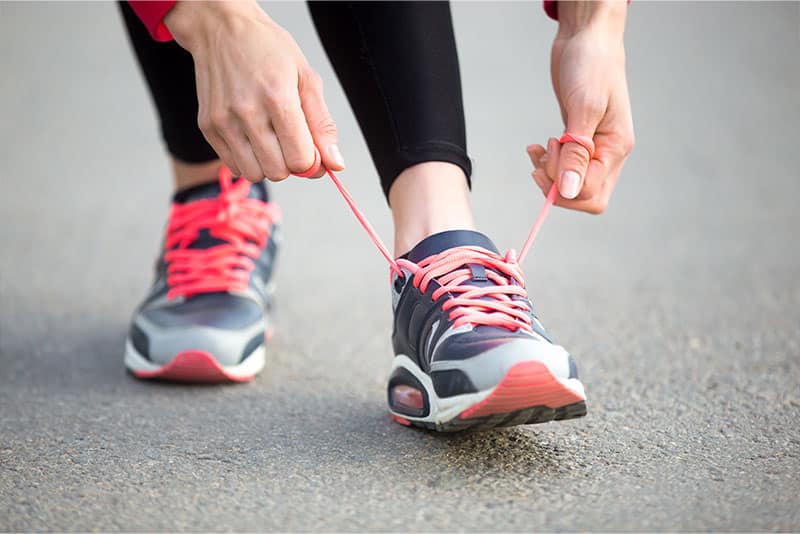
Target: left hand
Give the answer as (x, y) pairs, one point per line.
(588, 73)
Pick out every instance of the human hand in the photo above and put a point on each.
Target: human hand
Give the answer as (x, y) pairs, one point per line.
(588, 74)
(260, 104)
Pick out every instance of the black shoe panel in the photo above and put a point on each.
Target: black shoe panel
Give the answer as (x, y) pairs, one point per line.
(140, 341)
(415, 315)
(476, 341)
(216, 310)
(452, 382)
(252, 345)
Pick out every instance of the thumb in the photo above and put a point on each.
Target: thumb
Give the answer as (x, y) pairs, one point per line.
(573, 161)
(320, 123)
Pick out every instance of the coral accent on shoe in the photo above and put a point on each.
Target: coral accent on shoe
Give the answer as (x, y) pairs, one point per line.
(403, 421)
(242, 222)
(527, 384)
(193, 366)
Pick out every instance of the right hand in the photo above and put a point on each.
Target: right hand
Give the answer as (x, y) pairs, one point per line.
(260, 104)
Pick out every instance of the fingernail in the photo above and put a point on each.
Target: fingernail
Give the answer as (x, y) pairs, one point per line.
(336, 156)
(570, 184)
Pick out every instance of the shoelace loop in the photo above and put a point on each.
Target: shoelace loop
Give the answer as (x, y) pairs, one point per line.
(242, 223)
(493, 305)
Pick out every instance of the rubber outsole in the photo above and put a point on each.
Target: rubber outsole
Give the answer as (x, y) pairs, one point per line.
(526, 416)
(528, 394)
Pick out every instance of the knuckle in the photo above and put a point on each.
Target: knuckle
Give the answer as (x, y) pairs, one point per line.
(588, 191)
(299, 163)
(627, 145)
(285, 117)
(313, 79)
(253, 175)
(275, 169)
(277, 175)
(244, 109)
(204, 122)
(276, 100)
(326, 126)
(597, 206)
(221, 119)
(578, 156)
(594, 107)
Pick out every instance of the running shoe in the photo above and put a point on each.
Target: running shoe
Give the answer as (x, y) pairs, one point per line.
(470, 352)
(206, 318)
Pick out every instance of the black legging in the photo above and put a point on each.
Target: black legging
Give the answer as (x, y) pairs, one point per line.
(397, 62)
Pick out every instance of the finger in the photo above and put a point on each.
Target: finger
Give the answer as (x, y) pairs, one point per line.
(572, 166)
(223, 151)
(536, 152)
(242, 153)
(270, 156)
(265, 145)
(207, 127)
(317, 169)
(596, 175)
(603, 197)
(574, 160)
(610, 153)
(598, 203)
(541, 179)
(553, 155)
(320, 122)
(289, 122)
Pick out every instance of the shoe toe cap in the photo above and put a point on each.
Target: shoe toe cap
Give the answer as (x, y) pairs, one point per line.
(487, 368)
(228, 329)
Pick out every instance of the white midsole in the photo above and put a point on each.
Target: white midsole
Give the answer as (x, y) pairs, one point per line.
(444, 410)
(252, 365)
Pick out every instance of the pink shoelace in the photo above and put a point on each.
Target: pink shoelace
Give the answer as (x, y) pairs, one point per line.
(469, 304)
(242, 222)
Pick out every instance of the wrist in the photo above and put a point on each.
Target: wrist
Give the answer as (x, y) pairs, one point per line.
(191, 21)
(606, 16)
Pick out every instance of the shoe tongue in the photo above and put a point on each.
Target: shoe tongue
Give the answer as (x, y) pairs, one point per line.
(213, 189)
(444, 240)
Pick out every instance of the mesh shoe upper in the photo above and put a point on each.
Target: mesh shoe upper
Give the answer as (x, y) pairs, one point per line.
(473, 320)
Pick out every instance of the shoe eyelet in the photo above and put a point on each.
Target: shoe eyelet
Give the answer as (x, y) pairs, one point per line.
(399, 283)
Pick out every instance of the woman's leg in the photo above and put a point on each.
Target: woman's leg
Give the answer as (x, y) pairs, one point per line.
(169, 72)
(398, 64)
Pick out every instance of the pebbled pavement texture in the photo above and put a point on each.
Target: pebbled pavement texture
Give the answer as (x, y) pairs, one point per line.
(681, 303)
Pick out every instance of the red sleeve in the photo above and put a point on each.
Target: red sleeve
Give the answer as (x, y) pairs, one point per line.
(152, 13)
(551, 8)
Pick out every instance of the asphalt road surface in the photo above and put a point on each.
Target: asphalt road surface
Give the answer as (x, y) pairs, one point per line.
(682, 303)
